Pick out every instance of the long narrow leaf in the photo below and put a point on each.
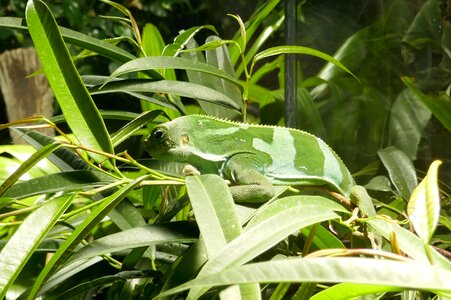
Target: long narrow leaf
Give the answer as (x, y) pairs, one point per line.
(259, 16)
(218, 221)
(27, 165)
(131, 127)
(269, 227)
(169, 62)
(77, 105)
(97, 214)
(137, 237)
(76, 38)
(27, 238)
(59, 182)
(408, 242)
(299, 50)
(439, 105)
(407, 275)
(181, 88)
(64, 158)
(345, 291)
(214, 209)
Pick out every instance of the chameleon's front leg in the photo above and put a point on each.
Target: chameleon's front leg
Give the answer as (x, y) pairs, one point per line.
(251, 186)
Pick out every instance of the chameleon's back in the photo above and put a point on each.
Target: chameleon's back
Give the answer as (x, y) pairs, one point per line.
(285, 156)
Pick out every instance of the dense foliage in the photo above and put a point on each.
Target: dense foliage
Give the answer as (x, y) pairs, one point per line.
(88, 214)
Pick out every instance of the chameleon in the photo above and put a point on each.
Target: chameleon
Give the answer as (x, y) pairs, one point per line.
(254, 158)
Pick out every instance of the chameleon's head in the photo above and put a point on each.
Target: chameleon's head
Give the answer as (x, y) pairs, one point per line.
(166, 140)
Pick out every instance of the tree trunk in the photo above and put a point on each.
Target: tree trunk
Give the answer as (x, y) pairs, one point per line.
(24, 97)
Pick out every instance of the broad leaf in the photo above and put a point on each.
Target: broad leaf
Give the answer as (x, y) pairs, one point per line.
(214, 209)
(400, 169)
(408, 118)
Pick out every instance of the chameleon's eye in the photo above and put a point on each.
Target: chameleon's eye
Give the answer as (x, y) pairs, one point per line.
(158, 134)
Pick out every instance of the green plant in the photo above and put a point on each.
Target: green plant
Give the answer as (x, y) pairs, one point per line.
(123, 227)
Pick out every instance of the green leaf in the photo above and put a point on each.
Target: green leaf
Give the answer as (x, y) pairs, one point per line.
(4, 202)
(270, 226)
(153, 45)
(345, 291)
(400, 169)
(404, 275)
(126, 131)
(426, 26)
(65, 159)
(28, 237)
(258, 17)
(183, 39)
(185, 89)
(214, 209)
(27, 165)
(152, 41)
(217, 219)
(323, 238)
(408, 118)
(147, 235)
(266, 33)
(423, 208)
(96, 216)
(59, 182)
(76, 38)
(298, 50)
(168, 62)
(439, 105)
(77, 105)
(218, 59)
(187, 265)
(408, 242)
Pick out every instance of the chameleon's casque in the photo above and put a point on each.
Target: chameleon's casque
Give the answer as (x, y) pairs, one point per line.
(249, 154)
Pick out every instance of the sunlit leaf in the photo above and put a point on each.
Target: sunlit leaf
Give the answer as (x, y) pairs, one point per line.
(424, 204)
(27, 165)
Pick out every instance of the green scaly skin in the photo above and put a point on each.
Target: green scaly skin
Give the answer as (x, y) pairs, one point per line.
(253, 158)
